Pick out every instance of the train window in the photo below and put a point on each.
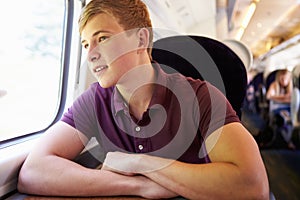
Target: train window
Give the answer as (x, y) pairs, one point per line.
(30, 65)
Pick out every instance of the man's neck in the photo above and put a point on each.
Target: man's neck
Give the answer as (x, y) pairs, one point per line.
(138, 88)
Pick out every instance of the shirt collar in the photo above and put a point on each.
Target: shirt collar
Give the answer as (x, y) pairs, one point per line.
(118, 103)
(159, 93)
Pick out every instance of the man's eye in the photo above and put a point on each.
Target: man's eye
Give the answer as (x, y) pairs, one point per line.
(85, 46)
(102, 38)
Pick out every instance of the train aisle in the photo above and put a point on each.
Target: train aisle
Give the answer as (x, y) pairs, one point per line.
(283, 168)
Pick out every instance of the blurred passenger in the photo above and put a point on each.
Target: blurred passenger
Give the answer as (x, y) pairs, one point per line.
(279, 95)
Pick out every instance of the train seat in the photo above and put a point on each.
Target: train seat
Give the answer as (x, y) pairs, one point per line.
(295, 102)
(295, 105)
(295, 108)
(207, 59)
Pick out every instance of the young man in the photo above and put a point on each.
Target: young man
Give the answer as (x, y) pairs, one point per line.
(163, 135)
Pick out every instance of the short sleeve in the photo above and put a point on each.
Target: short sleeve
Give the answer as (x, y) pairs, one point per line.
(214, 108)
(82, 114)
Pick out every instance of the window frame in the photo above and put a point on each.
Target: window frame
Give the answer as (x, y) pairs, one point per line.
(17, 149)
(65, 65)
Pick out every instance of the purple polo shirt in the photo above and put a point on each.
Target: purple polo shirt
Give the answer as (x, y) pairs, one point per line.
(181, 114)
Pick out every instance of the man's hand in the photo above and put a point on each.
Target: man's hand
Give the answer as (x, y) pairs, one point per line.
(122, 163)
(130, 165)
(152, 190)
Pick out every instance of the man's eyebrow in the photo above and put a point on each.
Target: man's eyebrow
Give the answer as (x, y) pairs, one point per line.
(96, 33)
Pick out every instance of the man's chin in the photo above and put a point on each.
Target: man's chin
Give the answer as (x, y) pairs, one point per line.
(104, 84)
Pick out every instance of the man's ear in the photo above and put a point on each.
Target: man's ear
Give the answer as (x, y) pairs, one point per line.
(143, 35)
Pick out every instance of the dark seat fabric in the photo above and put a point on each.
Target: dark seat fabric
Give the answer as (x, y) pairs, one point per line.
(270, 79)
(207, 59)
(295, 101)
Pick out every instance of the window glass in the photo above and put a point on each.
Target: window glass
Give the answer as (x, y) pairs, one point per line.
(30, 65)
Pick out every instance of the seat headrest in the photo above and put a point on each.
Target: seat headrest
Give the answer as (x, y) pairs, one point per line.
(206, 59)
(295, 107)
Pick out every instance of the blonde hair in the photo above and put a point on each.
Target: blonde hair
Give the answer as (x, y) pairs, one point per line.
(277, 81)
(130, 14)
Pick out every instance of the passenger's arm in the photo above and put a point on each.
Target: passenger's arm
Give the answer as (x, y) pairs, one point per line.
(282, 98)
(236, 171)
(49, 170)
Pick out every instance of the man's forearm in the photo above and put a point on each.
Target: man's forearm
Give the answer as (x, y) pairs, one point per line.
(219, 180)
(205, 181)
(55, 176)
(192, 181)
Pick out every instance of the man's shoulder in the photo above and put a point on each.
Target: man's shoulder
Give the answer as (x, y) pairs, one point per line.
(178, 77)
(95, 92)
(180, 80)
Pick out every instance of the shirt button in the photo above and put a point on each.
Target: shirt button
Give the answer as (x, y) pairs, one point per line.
(137, 129)
(141, 147)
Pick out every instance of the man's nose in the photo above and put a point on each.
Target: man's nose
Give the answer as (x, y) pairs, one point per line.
(94, 54)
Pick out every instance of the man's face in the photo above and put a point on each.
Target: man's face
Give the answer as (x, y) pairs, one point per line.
(111, 50)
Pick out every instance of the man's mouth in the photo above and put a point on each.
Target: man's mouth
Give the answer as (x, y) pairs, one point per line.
(100, 68)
